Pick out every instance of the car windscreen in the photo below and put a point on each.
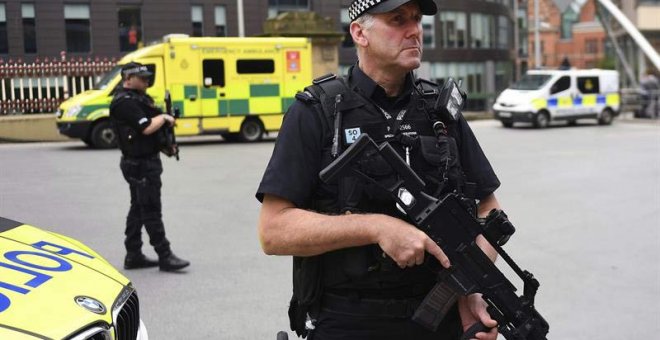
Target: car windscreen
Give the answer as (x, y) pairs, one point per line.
(107, 78)
(531, 82)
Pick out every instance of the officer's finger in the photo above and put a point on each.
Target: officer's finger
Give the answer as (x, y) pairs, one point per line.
(435, 250)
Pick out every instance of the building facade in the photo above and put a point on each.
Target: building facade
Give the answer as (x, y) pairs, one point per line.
(470, 40)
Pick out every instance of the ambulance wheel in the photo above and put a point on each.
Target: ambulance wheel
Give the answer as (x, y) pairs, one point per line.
(541, 120)
(606, 117)
(251, 131)
(103, 136)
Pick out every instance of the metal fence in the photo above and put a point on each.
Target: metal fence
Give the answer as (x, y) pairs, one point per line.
(40, 87)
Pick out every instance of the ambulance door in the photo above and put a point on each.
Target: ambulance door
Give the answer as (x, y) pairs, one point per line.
(184, 82)
(157, 82)
(213, 92)
(560, 102)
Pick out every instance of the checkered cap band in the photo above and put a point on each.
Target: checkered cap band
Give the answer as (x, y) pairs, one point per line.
(136, 70)
(358, 7)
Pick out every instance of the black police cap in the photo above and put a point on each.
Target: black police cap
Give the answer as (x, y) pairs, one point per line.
(359, 7)
(135, 69)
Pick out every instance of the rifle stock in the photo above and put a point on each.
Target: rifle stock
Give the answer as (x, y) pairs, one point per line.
(451, 222)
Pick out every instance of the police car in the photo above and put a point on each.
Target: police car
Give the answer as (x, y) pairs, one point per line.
(542, 96)
(54, 287)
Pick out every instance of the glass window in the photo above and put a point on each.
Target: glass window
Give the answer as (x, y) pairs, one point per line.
(588, 84)
(428, 24)
(452, 30)
(214, 70)
(253, 66)
(197, 19)
(29, 28)
(591, 46)
(276, 7)
(503, 32)
(4, 44)
(77, 27)
(562, 84)
(482, 30)
(568, 19)
(346, 27)
(220, 21)
(130, 28)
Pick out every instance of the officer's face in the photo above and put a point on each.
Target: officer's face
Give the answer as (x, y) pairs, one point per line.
(395, 38)
(137, 83)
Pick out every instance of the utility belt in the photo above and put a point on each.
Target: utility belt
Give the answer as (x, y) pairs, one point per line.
(386, 308)
(141, 158)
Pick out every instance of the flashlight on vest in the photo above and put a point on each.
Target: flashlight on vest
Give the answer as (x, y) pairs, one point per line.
(450, 101)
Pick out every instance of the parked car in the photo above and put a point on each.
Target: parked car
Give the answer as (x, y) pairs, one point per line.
(54, 287)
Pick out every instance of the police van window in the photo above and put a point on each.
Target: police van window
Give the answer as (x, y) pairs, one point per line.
(588, 84)
(214, 70)
(563, 84)
(252, 66)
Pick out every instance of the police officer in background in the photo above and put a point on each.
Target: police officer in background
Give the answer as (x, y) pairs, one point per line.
(139, 123)
(358, 266)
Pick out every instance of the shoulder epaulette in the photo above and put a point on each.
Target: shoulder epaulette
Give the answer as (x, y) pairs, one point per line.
(324, 78)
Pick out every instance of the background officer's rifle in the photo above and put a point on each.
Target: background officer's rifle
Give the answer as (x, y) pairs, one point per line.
(451, 222)
(169, 147)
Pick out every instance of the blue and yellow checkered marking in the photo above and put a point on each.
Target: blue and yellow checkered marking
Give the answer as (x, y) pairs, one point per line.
(588, 100)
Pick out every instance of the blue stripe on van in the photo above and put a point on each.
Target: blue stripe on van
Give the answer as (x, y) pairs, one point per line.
(552, 102)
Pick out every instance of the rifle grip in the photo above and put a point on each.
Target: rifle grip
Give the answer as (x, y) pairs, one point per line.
(471, 332)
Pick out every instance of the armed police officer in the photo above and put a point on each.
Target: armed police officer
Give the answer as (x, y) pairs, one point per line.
(360, 268)
(139, 125)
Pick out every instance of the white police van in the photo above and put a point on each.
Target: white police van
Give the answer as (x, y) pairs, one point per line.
(542, 96)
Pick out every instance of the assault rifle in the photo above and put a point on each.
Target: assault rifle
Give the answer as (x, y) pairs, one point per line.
(451, 222)
(169, 146)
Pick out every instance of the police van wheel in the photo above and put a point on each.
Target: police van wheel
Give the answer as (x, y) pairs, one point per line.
(606, 117)
(251, 131)
(103, 136)
(541, 120)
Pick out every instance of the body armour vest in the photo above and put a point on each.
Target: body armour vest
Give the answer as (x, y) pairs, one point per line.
(134, 143)
(431, 155)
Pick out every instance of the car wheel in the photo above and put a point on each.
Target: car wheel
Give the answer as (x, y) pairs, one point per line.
(606, 117)
(541, 120)
(103, 135)
(251, 131)
(507, 124)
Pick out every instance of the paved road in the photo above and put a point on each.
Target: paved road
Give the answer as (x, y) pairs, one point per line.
(585, 200)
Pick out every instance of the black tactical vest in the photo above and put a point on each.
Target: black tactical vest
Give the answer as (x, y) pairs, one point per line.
(134, 143)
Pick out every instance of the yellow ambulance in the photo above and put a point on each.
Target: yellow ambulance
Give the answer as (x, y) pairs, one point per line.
(54, 287)
(236, 87)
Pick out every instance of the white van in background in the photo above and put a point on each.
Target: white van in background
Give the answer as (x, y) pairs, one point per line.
(542, 96)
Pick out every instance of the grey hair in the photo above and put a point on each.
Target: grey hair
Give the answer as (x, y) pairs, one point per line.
(365, 20)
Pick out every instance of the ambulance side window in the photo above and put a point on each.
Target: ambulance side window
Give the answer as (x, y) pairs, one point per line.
(562, 84)
(254, 66)
(214, 69)
(588, 85)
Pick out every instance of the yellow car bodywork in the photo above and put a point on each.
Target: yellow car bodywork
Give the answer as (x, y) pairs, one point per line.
(54, 287)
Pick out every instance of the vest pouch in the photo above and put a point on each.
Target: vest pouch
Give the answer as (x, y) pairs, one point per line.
(440, 158)
(374, 166)
(306, 291)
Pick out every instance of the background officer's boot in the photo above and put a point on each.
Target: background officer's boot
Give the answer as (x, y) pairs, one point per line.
(138, 260)
(171, 263)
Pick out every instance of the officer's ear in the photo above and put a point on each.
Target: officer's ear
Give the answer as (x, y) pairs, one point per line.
(358, 34)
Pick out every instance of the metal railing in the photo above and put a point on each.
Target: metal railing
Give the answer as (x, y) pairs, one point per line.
(643, 104)
(40, 87)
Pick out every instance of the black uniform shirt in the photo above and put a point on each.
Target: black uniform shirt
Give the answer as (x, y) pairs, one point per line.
(293, 170)
(131, 111)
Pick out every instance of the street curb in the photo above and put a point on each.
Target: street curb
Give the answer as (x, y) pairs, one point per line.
(42, 127)
(30, 128)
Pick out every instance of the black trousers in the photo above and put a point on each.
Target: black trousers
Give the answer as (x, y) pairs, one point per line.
(350, 322)
(143, 177)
